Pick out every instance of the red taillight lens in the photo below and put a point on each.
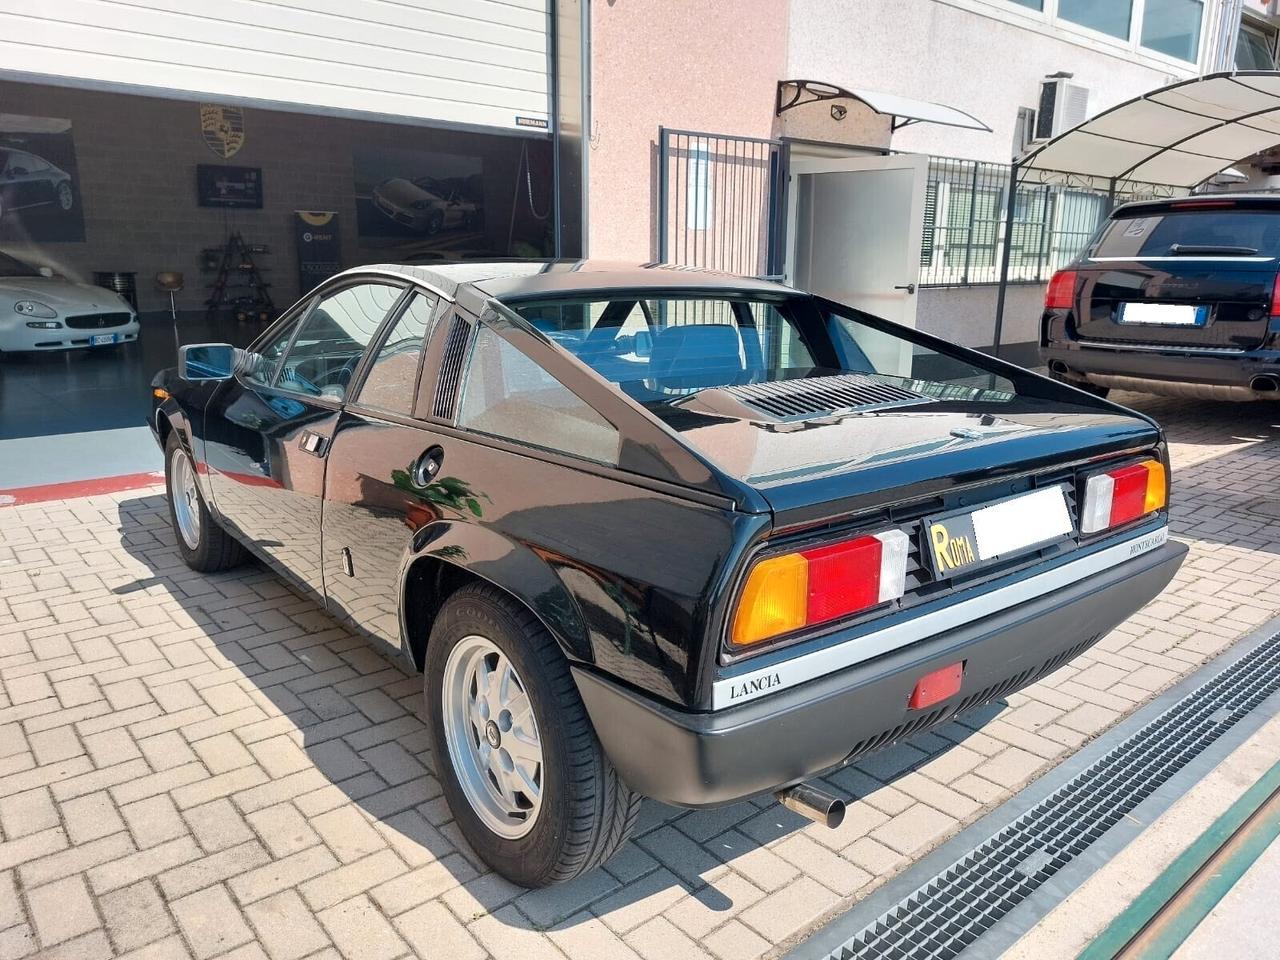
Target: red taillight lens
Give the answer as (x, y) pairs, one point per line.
(794, 590)
(1126, 493)
(1275, 296)
(1061, 292)
(936, 686)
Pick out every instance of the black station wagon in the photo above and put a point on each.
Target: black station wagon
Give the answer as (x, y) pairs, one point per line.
(1175, 297)
(659, 532)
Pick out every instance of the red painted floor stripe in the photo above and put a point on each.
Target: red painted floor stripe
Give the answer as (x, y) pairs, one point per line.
(17, 496)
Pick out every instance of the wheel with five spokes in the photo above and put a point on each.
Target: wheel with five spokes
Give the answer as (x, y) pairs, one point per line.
(204, 545)
(518, 760)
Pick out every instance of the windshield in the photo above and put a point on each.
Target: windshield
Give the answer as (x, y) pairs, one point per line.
(13, 267)
(661, 350)
(1191, 233)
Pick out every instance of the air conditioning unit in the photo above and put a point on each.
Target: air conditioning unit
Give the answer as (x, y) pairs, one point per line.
(1063, 105)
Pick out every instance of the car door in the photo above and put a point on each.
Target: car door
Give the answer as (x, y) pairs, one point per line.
(375, 494)
(267, 430)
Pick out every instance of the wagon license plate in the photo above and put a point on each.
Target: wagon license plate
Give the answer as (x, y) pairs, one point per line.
(102, 339)
(960, 542)
(1164, 314)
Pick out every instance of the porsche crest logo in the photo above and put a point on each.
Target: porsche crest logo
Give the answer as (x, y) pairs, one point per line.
(222, 128)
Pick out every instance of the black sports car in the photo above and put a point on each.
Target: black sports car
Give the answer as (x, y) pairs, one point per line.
(659, 532)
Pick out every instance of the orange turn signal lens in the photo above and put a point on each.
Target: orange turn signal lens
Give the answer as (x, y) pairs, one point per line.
(775, 600)
(160, 393)
(1157, 487)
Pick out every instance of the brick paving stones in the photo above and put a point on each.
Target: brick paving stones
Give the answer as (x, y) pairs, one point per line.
(208, 766)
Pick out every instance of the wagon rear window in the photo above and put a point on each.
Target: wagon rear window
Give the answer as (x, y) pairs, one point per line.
(1207, 232)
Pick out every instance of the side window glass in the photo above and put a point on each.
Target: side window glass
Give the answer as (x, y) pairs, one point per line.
(394, 372)
(333, 338)
(508, 395)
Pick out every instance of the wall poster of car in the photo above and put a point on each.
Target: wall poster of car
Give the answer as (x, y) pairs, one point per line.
(423, 204)
(218, 185)
(39, 181)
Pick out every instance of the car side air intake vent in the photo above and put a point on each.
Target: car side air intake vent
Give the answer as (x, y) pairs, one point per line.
(455, 355)
(809, 396)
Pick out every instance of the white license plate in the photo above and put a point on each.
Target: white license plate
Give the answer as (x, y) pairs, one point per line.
(962, 542)
(1162, 314)
(102, 339)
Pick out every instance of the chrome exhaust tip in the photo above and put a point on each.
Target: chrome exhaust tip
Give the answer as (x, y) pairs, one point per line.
(1264, 384)
(814, 803)
(1057, 366)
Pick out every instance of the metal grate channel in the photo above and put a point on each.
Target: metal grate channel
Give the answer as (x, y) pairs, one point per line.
(823, 395)
(455, 352)
(958, 905)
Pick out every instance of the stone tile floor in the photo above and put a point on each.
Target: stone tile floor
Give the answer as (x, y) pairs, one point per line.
(207, 766)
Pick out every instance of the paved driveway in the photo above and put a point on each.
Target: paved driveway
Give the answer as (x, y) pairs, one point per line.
(193, 766)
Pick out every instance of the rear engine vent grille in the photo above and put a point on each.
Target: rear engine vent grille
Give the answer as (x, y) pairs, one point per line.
(455, 355)
(789, 399)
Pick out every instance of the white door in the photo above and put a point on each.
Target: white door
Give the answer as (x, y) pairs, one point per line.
(854, 231)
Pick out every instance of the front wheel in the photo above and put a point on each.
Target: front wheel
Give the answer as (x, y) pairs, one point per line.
(517, 757)
(204, 545)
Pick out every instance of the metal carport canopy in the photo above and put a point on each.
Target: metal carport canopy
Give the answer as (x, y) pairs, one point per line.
(1178, 136)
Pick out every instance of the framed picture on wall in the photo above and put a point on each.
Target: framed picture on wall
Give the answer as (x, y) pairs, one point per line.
(222, 186)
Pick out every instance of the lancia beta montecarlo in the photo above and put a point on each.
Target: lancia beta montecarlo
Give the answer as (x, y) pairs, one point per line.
(650, 532)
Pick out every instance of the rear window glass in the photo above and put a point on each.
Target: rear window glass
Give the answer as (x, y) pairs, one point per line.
(1192, 233)
(660, 351)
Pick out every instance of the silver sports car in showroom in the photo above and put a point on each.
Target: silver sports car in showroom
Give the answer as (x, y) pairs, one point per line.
(42, 311)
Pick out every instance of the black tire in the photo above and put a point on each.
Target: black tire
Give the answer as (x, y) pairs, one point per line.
(1089, 388)
(215, 549)
(586, 811)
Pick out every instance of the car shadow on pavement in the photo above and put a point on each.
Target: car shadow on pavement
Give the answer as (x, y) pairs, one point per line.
(329, 720)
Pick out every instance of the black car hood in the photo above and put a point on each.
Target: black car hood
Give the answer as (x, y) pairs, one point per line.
(821, 467)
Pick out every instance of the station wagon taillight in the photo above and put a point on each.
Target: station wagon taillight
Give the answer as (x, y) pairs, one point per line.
(1275, 296)
(1118, 496)
(795, 590)
(1061, 291)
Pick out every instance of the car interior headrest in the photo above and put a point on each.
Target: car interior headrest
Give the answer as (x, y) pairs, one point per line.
(696, 355)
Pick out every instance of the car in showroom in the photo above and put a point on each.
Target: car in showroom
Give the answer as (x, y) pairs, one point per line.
(27, 180)
(41, 311)
(1179, 297)
(656, 532)
(425, 204)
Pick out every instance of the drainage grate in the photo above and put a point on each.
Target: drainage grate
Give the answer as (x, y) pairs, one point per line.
(823, 395)
(952, 910)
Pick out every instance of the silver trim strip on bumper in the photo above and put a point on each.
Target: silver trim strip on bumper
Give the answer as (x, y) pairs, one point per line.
(1158, 347)
(745, 687)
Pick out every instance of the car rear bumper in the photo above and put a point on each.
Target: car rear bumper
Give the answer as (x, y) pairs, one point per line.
(709, 759)
(1208, 374)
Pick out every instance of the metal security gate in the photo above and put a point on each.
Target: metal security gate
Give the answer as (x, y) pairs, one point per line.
(719, 202)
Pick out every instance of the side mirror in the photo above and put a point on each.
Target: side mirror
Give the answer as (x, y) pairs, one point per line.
(206, 361)
(46, 271)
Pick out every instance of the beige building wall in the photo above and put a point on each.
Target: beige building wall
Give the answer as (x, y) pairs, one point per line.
(701, 65)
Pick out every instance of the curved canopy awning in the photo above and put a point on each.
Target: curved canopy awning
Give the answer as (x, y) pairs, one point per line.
(1179, 135)
(903, 110)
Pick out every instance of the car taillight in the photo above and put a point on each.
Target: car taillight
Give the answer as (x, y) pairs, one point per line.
(1123, 494)
(795, 590)
(1275, 296)
(1061, 292)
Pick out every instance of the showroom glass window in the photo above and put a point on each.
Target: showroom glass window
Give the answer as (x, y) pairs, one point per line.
(1111, 17)
(333, 337)
(393, 376)
(1172, 27)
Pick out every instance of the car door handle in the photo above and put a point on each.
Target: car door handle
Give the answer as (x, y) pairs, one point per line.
(909, 287)
(313, 443)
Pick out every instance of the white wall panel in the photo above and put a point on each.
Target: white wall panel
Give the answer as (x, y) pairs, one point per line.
(477, 62)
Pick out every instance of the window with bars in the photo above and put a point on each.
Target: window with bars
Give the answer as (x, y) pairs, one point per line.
(964, 224)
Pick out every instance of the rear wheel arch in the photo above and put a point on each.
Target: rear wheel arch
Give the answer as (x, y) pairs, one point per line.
(435, 574)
